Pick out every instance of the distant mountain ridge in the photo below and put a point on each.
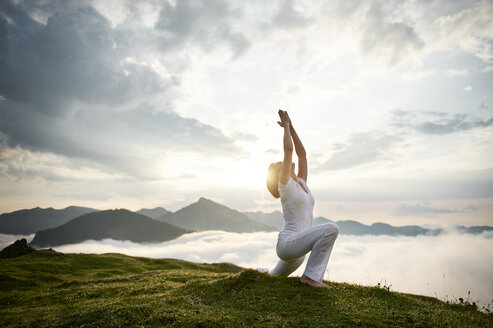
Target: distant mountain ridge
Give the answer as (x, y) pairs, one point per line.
(206, 214)
(154, 213)
(350, 227)
(25, 222)
(115, 224)
(126, 225)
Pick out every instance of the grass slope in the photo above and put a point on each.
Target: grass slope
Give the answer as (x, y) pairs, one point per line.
(110, 290)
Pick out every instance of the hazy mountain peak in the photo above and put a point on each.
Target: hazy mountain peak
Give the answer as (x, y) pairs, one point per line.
(29, 221)
(203, 200)
(155, 208)
(206, 214)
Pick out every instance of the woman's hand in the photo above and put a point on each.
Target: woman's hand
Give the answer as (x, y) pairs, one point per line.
(285, 121)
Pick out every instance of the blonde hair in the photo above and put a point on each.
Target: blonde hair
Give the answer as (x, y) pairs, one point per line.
(273, 179)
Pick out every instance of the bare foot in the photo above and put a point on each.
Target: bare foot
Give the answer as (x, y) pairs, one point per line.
(305, 280)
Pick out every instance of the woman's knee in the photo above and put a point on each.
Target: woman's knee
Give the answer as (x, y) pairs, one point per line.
(331, 229)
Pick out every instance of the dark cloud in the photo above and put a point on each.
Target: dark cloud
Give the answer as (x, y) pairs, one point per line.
(204, 22)
(72, 57)
(440, 123)
(288, 17)
(67, 89)
(4, 35)
(361, 148)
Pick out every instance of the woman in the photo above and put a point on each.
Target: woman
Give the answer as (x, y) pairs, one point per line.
(298, 237)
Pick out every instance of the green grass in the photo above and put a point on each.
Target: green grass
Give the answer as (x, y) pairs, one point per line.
(114, 290)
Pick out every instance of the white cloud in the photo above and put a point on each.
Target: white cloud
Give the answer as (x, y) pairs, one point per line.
(388, 39)
(455, 72)
(416, 74)
(361, 148)
(468, 88)
(446, 265)
(468, 30)
(71, 88)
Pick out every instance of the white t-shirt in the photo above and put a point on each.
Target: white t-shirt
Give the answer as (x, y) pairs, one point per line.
(297, 206)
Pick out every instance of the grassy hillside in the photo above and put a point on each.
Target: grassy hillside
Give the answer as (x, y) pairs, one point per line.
(112, 290)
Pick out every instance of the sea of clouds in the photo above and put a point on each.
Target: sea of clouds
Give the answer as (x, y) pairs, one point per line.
(446, 266)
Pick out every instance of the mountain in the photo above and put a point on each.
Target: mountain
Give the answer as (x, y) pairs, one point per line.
(155, 213)
(25, 222)
(355, 228)
(116, 224)
(208, 215)
(274, 219)
(474, 229)
(349, 227)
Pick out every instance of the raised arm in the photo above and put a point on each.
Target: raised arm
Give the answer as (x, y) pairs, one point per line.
(300, 152)
(288, 148)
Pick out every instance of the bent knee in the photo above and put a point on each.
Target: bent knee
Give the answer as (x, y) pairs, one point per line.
(332, 229)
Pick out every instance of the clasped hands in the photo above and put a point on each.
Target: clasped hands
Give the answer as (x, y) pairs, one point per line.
(285, 120)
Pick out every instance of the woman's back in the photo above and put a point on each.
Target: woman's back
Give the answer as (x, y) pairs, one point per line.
(297, 206)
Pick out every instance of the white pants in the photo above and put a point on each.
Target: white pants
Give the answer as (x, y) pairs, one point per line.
(292, 249)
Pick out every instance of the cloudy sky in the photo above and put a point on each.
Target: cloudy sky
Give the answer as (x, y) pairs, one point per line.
(135, 104)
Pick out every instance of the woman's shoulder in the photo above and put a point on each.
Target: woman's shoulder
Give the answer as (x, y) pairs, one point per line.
(285, 186)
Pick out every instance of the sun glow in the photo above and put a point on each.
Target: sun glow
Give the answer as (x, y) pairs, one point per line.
(250, 174)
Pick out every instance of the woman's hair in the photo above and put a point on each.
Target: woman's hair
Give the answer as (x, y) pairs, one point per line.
(273, 178)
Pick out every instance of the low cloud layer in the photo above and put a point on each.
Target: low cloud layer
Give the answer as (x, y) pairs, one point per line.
(447, 266)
